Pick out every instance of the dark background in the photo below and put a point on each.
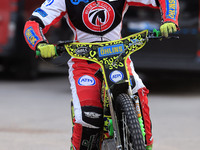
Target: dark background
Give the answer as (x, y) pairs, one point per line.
(180, 56)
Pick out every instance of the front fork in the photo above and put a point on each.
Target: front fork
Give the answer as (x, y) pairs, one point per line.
(116, 134)
(136, 100)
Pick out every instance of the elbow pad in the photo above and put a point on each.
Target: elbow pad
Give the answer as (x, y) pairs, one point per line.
(33, 34)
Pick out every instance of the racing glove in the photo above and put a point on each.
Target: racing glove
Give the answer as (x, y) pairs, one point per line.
(167, 28)
(46, 50)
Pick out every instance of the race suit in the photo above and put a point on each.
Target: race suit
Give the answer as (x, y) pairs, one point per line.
(93, 21)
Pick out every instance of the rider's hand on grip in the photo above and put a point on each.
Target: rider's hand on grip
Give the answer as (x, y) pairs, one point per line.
(167, 28)
(46, 50)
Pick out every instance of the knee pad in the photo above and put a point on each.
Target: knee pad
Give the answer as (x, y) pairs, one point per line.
(92, 115)
(89, 116)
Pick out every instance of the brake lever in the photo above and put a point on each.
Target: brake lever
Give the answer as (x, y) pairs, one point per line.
(60, 48)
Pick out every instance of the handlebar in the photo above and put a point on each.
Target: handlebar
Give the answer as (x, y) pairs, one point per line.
(155, 34)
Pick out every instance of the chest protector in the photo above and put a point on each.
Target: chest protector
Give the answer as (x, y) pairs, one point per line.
(95, 16)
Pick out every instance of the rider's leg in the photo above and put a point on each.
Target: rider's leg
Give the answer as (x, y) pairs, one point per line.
(88, 110)
(142, 92)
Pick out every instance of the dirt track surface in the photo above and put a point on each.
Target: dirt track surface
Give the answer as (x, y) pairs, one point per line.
(35, 115)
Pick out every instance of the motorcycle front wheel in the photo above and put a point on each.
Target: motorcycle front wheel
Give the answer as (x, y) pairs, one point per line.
(130, 130)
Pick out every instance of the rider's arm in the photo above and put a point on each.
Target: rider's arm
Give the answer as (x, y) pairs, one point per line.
(169, 10)
(42, 18)
(33, 33)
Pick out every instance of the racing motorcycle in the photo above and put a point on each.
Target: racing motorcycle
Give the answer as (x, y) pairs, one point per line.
(123, 123)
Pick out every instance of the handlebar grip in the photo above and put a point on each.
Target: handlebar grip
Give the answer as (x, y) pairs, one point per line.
(156, 33)
(38, 53)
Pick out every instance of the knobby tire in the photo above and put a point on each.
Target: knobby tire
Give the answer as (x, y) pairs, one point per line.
(124, 105)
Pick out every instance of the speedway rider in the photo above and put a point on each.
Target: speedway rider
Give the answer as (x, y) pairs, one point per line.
(86, 18)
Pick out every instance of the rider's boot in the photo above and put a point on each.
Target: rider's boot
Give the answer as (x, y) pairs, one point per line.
(87, 135)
